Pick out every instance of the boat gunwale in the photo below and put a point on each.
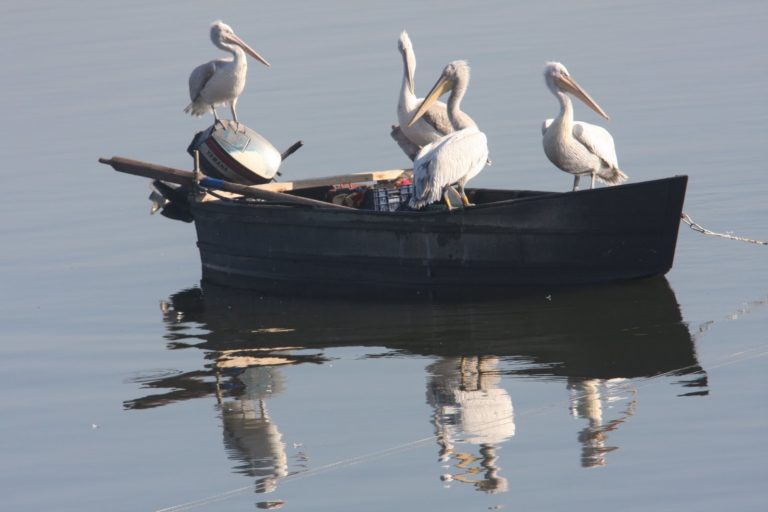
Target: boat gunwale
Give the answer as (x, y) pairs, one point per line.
(535, 196)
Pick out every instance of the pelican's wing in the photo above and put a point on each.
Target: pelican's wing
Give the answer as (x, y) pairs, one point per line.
(200, 76)
(437, 117)
(470, 151)
(409, 147)
(598, 141)
(459, 155)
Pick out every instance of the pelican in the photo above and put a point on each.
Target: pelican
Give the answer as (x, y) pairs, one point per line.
(574, 146)
(434, 124)
(221, 81)
(455, 158)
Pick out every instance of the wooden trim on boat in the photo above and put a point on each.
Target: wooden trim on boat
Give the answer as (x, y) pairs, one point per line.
(361, 177)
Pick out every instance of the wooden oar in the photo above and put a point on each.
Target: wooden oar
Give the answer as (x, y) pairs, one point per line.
(160, 172)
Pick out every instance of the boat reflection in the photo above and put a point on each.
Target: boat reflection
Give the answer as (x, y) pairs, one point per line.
(594, 340)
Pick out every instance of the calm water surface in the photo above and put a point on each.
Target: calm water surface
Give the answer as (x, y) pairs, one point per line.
(129, 385)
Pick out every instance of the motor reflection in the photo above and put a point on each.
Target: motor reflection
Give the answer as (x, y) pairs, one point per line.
(243, 380)
(252, 440)
(477, 351)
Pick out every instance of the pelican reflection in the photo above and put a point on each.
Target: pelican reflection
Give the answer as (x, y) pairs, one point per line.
(475, 350)
(589, 400)
(470, 409)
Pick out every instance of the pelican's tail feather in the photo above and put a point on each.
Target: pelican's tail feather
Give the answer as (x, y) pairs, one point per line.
(417, 203)
(612, 176)
(425, 188)
(197, 108)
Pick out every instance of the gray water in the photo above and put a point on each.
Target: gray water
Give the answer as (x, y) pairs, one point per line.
(129, 386)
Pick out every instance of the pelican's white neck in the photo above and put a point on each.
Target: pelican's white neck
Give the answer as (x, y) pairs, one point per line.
(407, 89)
(459, 119)
(566, 107)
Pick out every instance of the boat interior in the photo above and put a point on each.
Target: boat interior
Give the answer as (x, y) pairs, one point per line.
(386, 191)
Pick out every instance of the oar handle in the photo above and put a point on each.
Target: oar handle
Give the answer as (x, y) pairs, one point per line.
(160, 172)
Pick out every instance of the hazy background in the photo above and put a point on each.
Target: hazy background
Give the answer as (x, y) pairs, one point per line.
(83, 267)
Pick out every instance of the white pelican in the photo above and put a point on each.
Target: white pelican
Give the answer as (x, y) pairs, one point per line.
(434, 124)
(573, 146)
(455, 158)
(221, 81)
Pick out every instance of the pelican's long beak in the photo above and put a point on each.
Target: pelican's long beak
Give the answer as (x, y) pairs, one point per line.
(442, 86)
(570, 85)
(234, 39)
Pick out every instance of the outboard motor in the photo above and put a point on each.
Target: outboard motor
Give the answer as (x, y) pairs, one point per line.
(228, 151)
(233, 152)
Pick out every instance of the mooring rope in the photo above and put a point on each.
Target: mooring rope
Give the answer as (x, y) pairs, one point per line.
(302, 474)
(697, 227)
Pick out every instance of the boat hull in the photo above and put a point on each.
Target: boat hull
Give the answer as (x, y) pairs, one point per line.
(530, 239)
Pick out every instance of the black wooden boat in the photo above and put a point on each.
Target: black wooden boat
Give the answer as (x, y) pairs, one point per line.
(293, 240)
(508, 239)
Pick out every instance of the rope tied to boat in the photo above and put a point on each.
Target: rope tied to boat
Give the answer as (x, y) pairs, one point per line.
(697, 227)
